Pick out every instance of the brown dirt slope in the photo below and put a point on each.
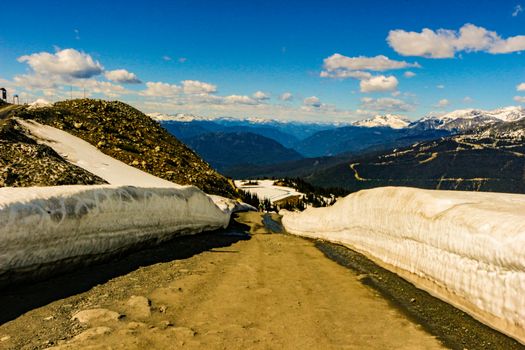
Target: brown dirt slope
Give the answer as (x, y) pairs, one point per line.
(130, 136)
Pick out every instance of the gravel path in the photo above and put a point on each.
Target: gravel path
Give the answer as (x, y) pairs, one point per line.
(271, 291)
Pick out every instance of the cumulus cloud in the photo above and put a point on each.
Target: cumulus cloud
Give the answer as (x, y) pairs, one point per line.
(286, 96)
(35, 82)
(122, 76)
(440, 86)
(468, 99)
(240, 99)
(379, 83)
(92, 86)
(339, 66)
(166, 58)
(442, 103)
(520, 87)
(385, 104)
(409, 74)
(160, 89)
(67, 64)
(261, 96)
(312, 101)
(445, 43)
(519, 99)
(198, 87)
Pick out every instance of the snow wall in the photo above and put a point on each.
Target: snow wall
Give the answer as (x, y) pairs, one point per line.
(45, 229)
(467, 248)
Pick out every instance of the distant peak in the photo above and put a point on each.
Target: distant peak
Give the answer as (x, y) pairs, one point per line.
(386, 120)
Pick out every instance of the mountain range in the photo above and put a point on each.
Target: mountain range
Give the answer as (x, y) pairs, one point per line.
(331, 139)
(467, 149)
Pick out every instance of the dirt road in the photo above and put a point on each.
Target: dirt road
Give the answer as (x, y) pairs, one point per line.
(269, 292)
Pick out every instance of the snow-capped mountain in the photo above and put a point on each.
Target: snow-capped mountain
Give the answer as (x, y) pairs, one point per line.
(179, 117)
(470, 119)
(387, 120)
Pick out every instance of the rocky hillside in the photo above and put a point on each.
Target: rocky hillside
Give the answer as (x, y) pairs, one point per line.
(130, 136)
(465, 162)
(23, 162)
(225, 150)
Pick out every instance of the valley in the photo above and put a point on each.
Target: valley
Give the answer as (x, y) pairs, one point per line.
(471, 150)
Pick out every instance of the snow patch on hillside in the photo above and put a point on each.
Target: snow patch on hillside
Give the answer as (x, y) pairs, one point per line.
(44, 228)
(40, 103)
(84, 155)
(467, 248)
(387, 120)
(265, 189)
(476, 117)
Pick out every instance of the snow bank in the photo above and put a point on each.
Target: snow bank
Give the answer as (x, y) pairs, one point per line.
(86, 156)
(267, 189)
(230, 206)
(44, 228)
(467, 248)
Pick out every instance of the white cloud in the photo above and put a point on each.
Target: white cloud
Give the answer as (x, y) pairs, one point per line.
(67, 64)
(166, 58)
(379, 83)
(445, 43)
(160, 89)
(92, 86)
(520, 87)
(198, 87)
(344, 74)
(339, 66)
(35, 82)
(385, 104)
(312, 101)
(468, 99)
(442, 103)
(286, 96)
(122, 76)
(519, 99)
(378, 63)
(517, 10)
(261, 96)
(440, 86)
(182, 59)
(409, 74)
(240, 99)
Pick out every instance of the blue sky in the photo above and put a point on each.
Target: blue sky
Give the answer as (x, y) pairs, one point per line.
(236, 58)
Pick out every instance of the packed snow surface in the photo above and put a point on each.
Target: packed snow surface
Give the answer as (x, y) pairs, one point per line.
(267, 189)
(465, 247)
(44, 227)
(84, 155)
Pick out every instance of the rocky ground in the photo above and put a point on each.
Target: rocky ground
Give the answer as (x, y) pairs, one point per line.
(130, 136)
(24, 163)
